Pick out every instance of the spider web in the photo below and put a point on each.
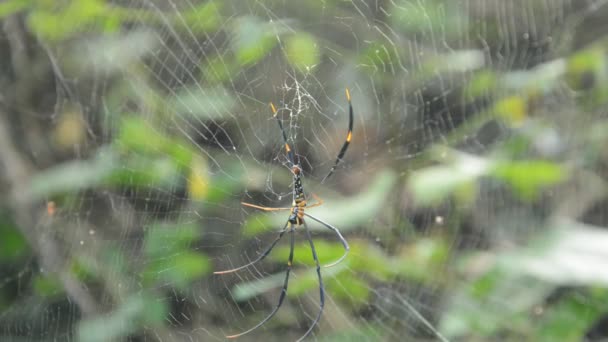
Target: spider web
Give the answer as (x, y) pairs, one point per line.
(470, 210)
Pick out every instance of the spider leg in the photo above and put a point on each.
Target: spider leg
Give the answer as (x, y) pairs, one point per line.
(342, 239)
(349, 135)
(319, 202)
(321, 287)
(283, 291)
(261, 256)
(263, 208)
(287, 147)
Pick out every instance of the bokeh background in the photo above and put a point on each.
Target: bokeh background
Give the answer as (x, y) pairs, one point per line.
(473, 194)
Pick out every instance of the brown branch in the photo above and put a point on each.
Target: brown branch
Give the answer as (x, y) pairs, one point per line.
(33, 222)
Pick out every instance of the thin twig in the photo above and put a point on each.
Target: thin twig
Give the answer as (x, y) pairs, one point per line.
(33, 223)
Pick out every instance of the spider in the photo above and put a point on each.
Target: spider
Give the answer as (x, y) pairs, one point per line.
(296, 219)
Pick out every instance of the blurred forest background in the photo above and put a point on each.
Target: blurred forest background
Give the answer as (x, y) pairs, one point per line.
(473, 194)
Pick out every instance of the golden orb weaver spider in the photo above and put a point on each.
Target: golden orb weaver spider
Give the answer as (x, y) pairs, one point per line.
(296, 219)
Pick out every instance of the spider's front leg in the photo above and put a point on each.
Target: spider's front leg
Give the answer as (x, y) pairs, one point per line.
(263, 208)
(319, 201)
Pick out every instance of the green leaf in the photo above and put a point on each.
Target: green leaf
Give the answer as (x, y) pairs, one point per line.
(139, 171)
(527, 277)
(178, 269)
(422, 261)
(434, 184)
(458, 61)
(47, 285)
(164, 239)
(350, 288)
(426, 16)
(218, 69)
(82, 270)
(137, 135)
(302, 51)
(379, 56)
(247, 290)
(483, 83)
(261, 223)
(532, 82)
(12, 244)
(222, 187)
(513, 109)
(327, 252)
(571, 317)
(156, 310)
(550, 255)
(205, 17)
(347, 278)
(253, 39)
(198, 180)
(529, 177)
(60, 22)
(172, 261)
(472, 312)
(9, 7)
(73, 176)
(205, 104)
(309, 280)
(136, 311)
(114, 53)
(483, 286)
(349, 213)
(584, 67)
(368, 258)
(359, 333)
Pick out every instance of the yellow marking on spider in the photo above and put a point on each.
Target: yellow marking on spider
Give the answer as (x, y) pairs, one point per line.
(274, 110)
(349, 136)
(287, 148)
(347, 94)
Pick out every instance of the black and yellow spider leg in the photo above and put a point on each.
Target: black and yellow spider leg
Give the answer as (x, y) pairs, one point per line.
(321, 287)
(349, 136)
(342, 239)
(287, 147)
(283, 291)
(261, 256)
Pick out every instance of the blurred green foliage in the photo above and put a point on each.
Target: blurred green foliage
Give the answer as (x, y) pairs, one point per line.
(12, 245)
(302, 51)
(136, 312)
(175, 183)
(167, 247)
(526, 178)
